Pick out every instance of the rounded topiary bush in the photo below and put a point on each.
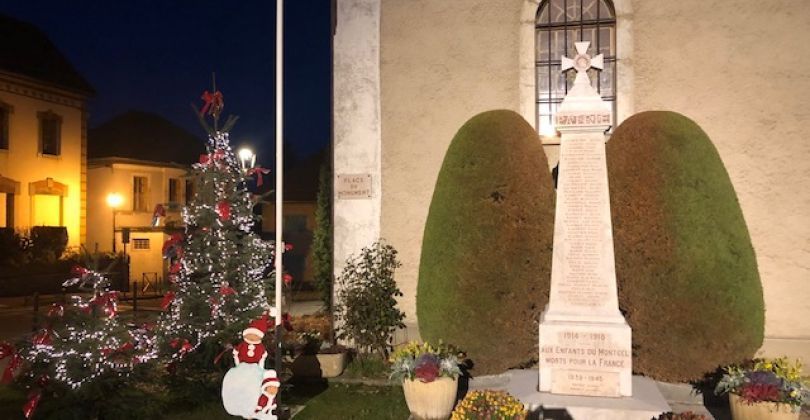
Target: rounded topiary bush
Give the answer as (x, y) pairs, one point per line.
(486, 253)
(687, 273)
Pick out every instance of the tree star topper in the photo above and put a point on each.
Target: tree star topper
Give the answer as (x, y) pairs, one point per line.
(582, 62)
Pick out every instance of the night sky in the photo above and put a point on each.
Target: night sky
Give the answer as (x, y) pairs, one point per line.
(158, 56)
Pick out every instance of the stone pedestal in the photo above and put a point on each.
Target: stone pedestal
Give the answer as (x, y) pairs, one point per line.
(585, 343)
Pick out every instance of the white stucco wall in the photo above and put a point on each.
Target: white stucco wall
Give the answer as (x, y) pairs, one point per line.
(736, 68)
(356, 123)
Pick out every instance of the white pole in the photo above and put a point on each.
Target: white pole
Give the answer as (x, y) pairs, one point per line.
(279, 270)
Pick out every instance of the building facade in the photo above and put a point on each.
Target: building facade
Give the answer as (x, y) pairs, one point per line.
(143, 188)
(43, 125)
(408, 74)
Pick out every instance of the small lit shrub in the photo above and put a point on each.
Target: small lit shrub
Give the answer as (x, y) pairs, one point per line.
(366, 305)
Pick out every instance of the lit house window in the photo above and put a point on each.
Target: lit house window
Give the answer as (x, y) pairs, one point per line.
(140, 243)
(559, 24)
(174, 190)
(140, 188)
(5, 115)
(50, 133)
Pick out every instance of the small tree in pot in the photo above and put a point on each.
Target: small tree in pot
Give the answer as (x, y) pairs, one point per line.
(366, 309)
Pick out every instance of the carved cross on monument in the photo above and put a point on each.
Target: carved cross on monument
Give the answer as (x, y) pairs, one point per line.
(584, 340)
(582, 62)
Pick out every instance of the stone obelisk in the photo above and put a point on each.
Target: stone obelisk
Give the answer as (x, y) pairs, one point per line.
(585, 343)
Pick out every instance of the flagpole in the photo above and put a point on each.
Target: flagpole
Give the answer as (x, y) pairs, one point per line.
(279, 244)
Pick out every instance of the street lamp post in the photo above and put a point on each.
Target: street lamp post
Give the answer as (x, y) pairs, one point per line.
(247, 159)
(114, 200)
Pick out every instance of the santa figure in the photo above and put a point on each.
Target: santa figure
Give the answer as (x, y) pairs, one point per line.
(267, 401)
(251, 350)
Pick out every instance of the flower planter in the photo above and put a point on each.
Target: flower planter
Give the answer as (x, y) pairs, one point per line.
(324, 365)
(431, 400)
(740, 410)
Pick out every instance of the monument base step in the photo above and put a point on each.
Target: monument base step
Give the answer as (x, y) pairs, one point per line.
(645, 404)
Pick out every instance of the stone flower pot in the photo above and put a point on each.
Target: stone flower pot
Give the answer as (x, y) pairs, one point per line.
(324, 365)
(740, 410)
(431, 400)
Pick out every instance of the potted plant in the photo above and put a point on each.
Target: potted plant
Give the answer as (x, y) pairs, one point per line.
(318, 358)
(764, 389)
(489, 404)
(429, 378)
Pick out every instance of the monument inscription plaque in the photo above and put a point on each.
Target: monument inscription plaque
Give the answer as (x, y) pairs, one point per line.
(585, 343)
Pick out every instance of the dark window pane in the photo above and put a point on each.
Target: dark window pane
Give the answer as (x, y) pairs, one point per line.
(189, 191)
(49, 127)
(589, 10)
(4, 128)
(573, 12)
(556, 10)
(543, 81)
(606, 79)
(173, 190)
(605, 12)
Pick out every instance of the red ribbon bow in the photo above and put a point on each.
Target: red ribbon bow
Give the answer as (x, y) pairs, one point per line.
(42, 338)
(213, 103)
(258, 171)
(174, 241)
(121, 349)
(175, 268)
(33, 401)
(286, 322)
(287, 279)
(184, 346)
(8, 350)
(167, 300)
(57, 310)
(78, 270)
(226, 290)
(224, 210)
(107, 301)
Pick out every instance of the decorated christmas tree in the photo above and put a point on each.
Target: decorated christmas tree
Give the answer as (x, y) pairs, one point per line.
(218, 265)
(83, 351)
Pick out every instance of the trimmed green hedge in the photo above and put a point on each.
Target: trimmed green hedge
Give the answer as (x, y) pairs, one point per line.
(486, 253)
(687, 272)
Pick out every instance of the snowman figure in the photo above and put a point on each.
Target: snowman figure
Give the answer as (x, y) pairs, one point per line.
(244, 384)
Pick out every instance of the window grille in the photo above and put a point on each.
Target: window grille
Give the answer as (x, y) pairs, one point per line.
(558, 25)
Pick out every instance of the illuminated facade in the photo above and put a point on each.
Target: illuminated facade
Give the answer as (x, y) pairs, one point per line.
(43, 143)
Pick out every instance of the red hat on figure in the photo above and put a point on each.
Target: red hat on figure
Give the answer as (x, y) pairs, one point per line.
(258, 327)
(270, 379)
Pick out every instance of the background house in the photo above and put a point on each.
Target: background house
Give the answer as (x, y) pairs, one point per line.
(43, 123)
(406, 78)
(144, 159)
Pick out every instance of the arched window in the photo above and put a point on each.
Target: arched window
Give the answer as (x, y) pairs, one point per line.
(558, 24)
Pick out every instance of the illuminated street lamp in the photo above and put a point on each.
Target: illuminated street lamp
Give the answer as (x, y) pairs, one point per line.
(247, 159)
(114, 200)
